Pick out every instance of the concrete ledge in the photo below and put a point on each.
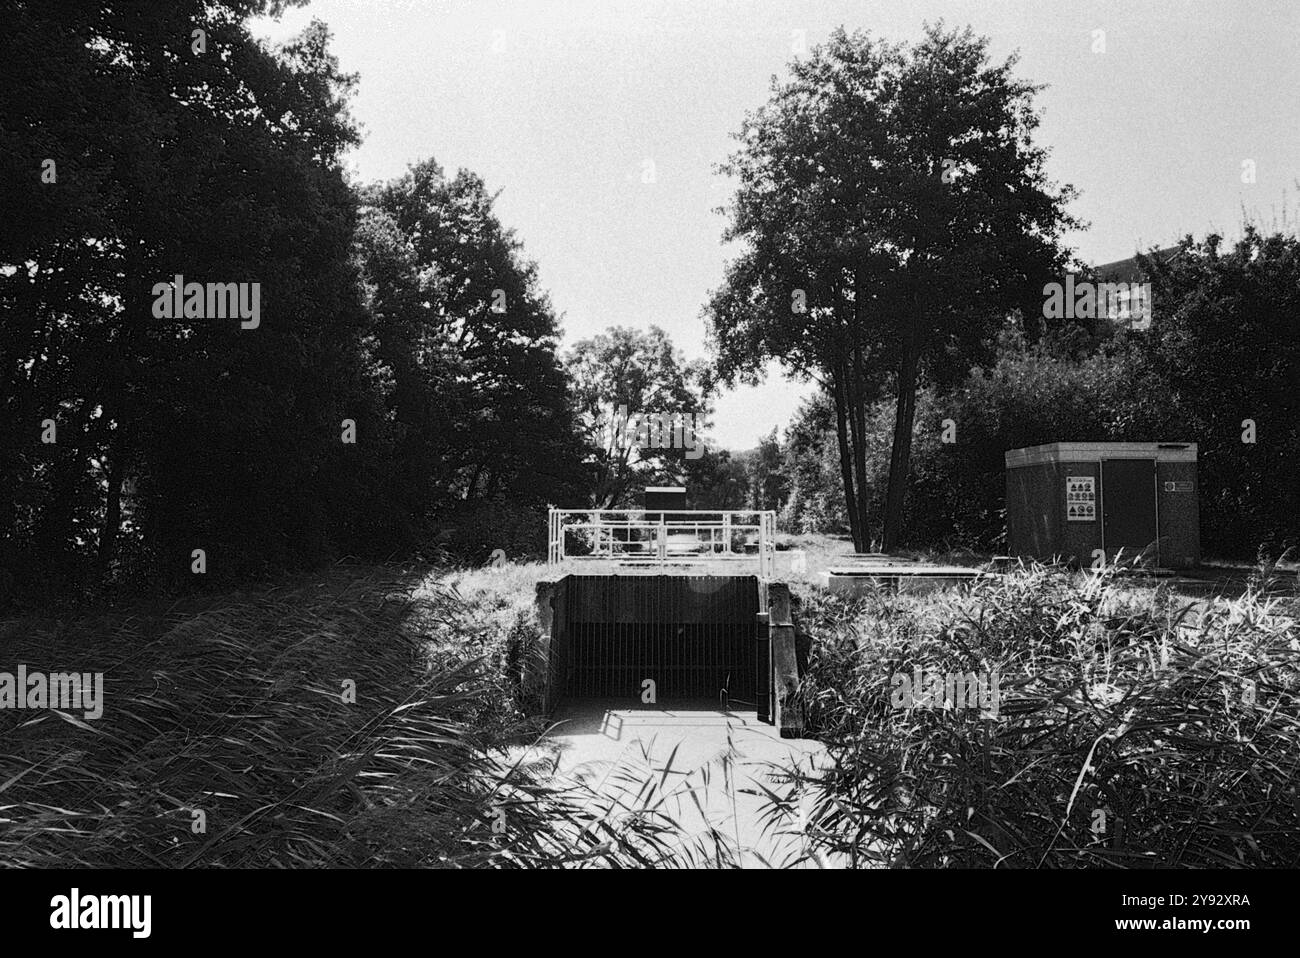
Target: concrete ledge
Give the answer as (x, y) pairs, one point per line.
(910, 579)
(787, 717)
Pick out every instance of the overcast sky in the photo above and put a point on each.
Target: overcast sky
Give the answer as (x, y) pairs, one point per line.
(562, 104)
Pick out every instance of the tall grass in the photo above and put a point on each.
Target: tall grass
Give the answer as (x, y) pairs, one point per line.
(1132, 732)
(226, 741)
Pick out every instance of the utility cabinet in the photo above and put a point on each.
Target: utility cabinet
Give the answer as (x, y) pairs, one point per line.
(666, 498)
(1067, 500)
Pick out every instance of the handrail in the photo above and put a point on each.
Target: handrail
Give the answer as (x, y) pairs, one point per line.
(629, 537)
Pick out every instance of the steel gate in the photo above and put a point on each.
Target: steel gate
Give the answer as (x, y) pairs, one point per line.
(693, 635)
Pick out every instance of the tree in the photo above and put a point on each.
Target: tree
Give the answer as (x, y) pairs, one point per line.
(638, 372)
(765, 475)
(717, 480)
(1225, 340)
(465, 356)
(221, 166)
(811, 461)
(894, 209)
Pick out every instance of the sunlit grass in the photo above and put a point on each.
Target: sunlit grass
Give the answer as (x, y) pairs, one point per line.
(227, 740)
(1137, 728)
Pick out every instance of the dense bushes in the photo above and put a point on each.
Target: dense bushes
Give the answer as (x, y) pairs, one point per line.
(1030, 395)
(1225, 341)
(1129, 733)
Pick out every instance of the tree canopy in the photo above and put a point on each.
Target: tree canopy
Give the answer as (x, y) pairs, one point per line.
(894, 209)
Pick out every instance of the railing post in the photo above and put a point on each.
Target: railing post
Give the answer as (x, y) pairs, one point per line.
(770, 521)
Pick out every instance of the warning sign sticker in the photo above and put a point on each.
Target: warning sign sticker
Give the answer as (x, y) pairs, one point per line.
(1080, 499)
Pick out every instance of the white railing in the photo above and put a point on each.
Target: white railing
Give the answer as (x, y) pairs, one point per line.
(660, 537)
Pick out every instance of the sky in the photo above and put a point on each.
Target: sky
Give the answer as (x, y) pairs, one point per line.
(601, 123)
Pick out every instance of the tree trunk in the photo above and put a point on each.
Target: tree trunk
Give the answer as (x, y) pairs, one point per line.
(117, 406)
(113, 504)
(905, 412)
(859, 412)
(846, 460)
(859, 408)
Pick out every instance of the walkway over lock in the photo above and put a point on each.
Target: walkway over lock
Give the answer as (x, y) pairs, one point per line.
(651, 538)
(668, 604)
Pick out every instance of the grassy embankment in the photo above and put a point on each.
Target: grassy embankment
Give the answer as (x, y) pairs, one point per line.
(229, 737)
(1135, 727)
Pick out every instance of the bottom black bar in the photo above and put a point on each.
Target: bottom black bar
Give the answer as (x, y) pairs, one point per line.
(1227, 909)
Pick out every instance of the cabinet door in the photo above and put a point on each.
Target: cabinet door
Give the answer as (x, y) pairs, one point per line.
(1128, 493)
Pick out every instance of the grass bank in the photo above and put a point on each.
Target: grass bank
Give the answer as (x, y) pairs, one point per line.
(348, 720)
(1134, 728)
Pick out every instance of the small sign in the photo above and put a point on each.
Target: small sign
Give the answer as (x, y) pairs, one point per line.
(1178, 487)
(1080, 499)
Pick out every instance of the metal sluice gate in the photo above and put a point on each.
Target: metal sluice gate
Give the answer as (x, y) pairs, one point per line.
(694, 636)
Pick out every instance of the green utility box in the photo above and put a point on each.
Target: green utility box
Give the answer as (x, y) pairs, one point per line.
(1077, 500)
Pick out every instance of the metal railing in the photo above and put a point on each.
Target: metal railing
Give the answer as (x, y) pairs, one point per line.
(650, 537)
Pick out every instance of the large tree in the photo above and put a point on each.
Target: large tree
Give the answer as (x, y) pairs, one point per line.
(173, 152)
(893, 210)
(638, 372)
(466, 344)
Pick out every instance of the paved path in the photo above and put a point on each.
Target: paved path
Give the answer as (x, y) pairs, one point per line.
(717, 760)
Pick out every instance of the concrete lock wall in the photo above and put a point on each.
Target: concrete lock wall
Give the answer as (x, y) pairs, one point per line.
(692, 635)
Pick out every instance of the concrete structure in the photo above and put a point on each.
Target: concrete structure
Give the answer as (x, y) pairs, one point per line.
(1069, 500)
(660, 499)
(715, 768)
(693, 637)
(651, 637)
(902, 577)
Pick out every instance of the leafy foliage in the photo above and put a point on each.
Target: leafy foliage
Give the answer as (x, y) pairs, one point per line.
(175, 434)
(893, 207)
(1221, 350)
(1225, 341)
(641, 372)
